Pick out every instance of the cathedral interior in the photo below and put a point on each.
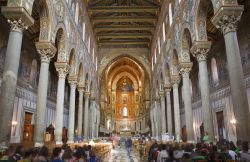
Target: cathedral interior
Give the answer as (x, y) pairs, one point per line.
(89, 69)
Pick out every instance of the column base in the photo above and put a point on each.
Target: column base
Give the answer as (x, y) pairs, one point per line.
(70, 142)
(39, 144)
(191, 141)
(59, 142)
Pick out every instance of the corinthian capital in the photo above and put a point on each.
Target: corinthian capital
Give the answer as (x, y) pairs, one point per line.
(227, 18)
(72, 81)
(62, 68)
(18, 18)
(46, 51)
(185, 68)
(200, 50)
(175, 80)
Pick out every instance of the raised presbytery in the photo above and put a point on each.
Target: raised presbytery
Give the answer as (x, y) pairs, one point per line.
(75, 71)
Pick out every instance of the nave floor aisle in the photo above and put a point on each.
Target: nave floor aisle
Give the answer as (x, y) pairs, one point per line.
(120, 154)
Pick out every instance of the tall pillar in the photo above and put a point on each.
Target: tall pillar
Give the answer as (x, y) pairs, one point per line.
(80, 111)
(163, 113)
(19, 21)
(46, 51)
(86, 113)
(62, 68)
(175, 79)
(71, 124)
(169, 111)
(199, 50)
(184, 71)
(226, 18)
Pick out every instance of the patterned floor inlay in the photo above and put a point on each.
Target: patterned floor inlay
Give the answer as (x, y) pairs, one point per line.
(120, 154)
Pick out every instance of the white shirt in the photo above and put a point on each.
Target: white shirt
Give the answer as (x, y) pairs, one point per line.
(162, 154)
(232, 154)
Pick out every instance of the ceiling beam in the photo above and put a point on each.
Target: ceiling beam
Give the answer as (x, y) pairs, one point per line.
(124, 19)
(123, 27)
(124, 35)
(122, 9)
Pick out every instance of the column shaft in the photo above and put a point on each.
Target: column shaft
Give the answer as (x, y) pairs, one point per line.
(163, 114)
(41, 103)
(80, 113)
(177, 112)
(238, 86)
(205, 99)
(9, 83)
(86, 119)
(59, 110)
(169, 115)
(188, 109)
(71, 123)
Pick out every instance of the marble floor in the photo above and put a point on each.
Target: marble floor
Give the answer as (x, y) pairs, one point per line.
(120, 154)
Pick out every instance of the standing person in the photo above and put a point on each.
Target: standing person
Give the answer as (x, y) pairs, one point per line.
(129, 145)
(206, 138)
(163, 154)
(43, 154)
(56, 155)
(151, 151)
(17, 155)
(141, 148)
(245, 155)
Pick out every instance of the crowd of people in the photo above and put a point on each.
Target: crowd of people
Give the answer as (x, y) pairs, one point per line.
(41, 154)
(223, 151)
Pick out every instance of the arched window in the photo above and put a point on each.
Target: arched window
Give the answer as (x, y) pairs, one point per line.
(83, 31)
(163, 32)
(155, 55)
(159, 45)
(77, 13)
(93, 55)
(214, 72)
(89, 45)
(170, 14)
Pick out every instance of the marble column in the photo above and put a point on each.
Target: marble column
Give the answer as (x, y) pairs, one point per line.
(175, 79)
(19, 21)
(163, 113)
(80, 111)
(169, 112)
(71, 124)
(86, 116)
(227, 18)
(199, 50)
(184, 71)
(46, 51)
(62, 69)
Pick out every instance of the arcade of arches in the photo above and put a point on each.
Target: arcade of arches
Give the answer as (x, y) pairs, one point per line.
(84, 69)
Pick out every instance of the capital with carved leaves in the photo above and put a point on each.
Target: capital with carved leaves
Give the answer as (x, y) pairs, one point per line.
(46, 50)
(227, 17)
(72, 81)
(175, 80)
(18, 18)
(167, 87)
(185, 68)
(200, 50)
(87, 94)
(62, 68)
